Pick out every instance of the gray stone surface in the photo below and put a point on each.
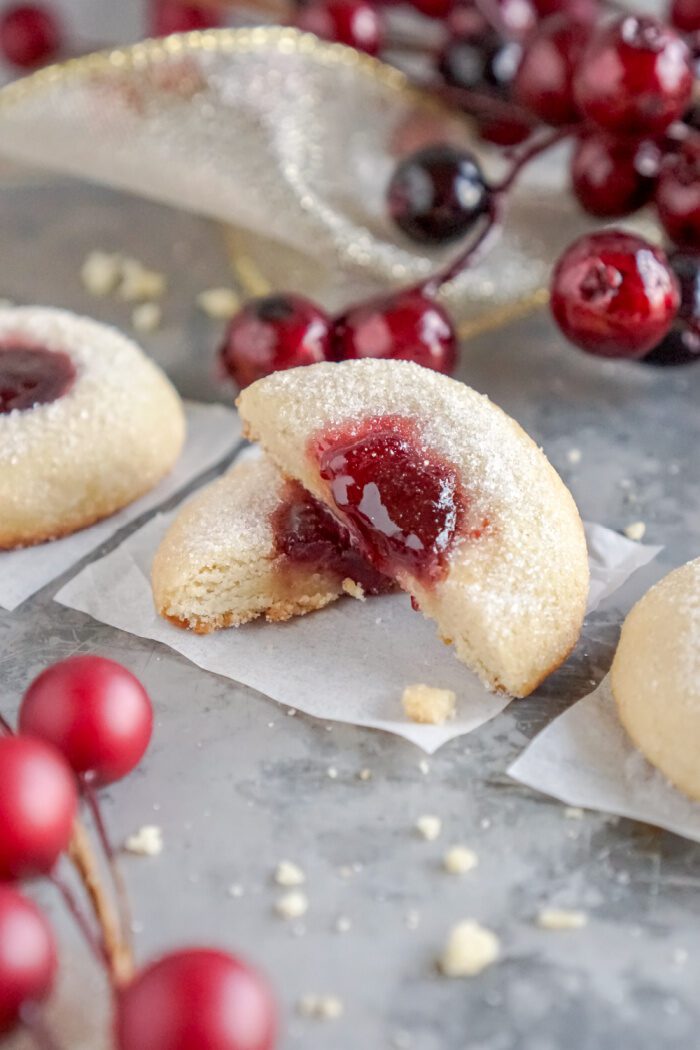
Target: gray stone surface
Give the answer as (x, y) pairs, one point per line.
(237, 784)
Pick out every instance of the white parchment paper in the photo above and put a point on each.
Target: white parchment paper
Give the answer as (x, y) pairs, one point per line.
(348, 663)
(212, 432)
(585, 758)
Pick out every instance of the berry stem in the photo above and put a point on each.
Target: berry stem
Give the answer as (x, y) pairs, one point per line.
(115, 951)
(123, 906)
(33, 1021)
(75, 910)
(468, 258)
(541, 145)
(479, 104)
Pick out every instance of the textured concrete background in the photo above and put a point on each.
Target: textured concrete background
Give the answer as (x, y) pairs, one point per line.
(237, 784)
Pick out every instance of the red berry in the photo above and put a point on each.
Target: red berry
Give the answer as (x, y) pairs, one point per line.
(679, 347)
(402, 327)
(274, 333)
(614, 176)
(581, 10)
(201, 999)
(38, 804)
(678, 194)
(686, 266)
(544, 81)
(482, 61)
(433, 8)
(174, 16)
(353, 22)
(437, 194)
(635, 76)
(614, 294)
(685, 15)
(27, 956)
(94, 711)
(30, 35)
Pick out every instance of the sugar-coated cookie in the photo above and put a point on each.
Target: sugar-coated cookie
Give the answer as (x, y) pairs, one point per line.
(87, 424)
(254, 544)
(445, 494)
(655, 677)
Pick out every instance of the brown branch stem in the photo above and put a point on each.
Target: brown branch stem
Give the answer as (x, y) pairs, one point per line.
(122, 896)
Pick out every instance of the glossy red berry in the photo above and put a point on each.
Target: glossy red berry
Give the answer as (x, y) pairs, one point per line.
(685, 15)
(174, 16)
(198, 998)
(30, 35)
(402, 327)
(27, 956)
(480, 61)
(635, 76)
(274, 333)
(437, 194)
(614, 176)
(433, 8)
(38, 804)
(678, 194)
(581, 10)
(355, 23)
(614, 294)
(544, 81)
(94, 711)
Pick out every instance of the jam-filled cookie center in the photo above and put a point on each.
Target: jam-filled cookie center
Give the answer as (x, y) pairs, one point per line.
(31, 376)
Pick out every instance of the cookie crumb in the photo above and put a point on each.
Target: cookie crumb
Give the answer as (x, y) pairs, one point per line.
(561, 919)
(322, 1007)
(459, 860)
(101, 273)
(355, 590)
(424, 766)
(287, 873)
(146, 317)
(364, 774)
(218, 303)
(147, 842)
(574, 456)
(470, 948)
(635, 530)
(574, 813)
(343, 924)
(428, 705)
(429, 827)
(236, 890)
(292, 905)
(332, 772)
(137, 283)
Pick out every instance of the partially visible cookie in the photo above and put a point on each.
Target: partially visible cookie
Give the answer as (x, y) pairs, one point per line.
(254, 544)
(87, 424)
(655, 677)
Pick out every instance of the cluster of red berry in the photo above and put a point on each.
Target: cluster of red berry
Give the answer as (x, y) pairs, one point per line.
(83, 723)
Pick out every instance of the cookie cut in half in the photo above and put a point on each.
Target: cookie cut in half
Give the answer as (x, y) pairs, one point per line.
(655, 677)
(87, 424)
(255, 544)
(446, 495)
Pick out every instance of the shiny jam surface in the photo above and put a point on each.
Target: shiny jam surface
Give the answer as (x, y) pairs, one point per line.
(307, 533)
(402, 502)
(31, 376)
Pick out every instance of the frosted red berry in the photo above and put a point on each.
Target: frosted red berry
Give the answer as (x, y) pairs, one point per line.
(273, 333)
(27, 957)
(30, 35)
(614, 295)
(355, 23)
(406, 326)
(544, 81)
(635, 76)
(678, 194)
(38, 804)
(174, 16)
(685, 15)
(437, 194)
(198, 998)
(94, 711)
(614, 176)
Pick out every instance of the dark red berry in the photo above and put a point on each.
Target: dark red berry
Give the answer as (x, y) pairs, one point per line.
(679, 347)
(27, 957)
(581, 10)
(406, 326)
(199, 998)
(483, 62)
(32, 376)
(678, 194)
(614, 176)
(38, 804)
(437, 194)
(685, 15)
(30, 35)
(94, 711)
(433, 8)
(273, 333)
(686, 266)
(635, 76)
(544, 81)
(400, 500)
(175, 16)
(353, 22)
(614, 294)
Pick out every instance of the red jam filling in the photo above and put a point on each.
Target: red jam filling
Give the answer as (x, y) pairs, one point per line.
(31, 376)
(402, 502)
(307, 533)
